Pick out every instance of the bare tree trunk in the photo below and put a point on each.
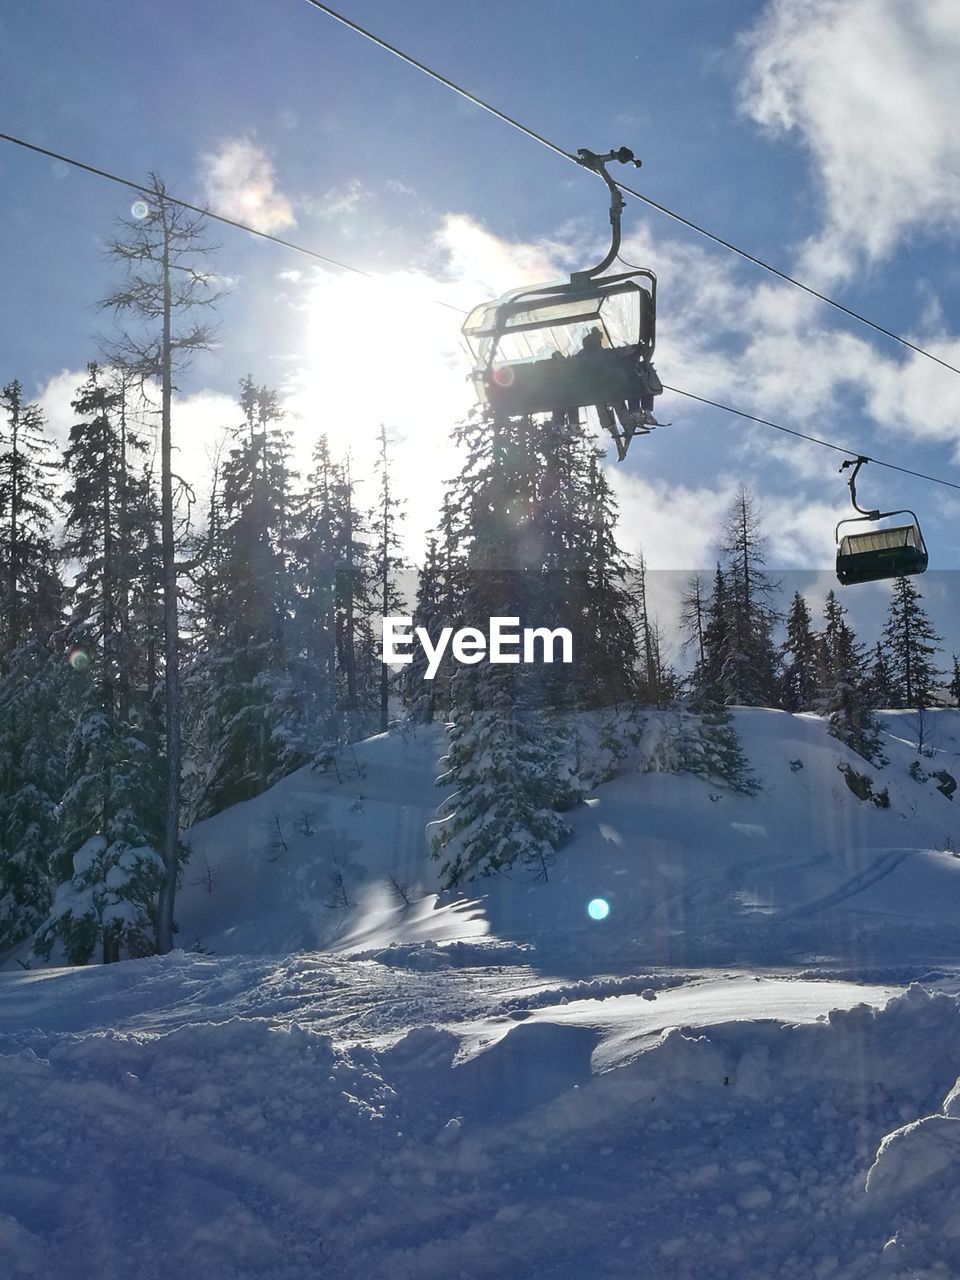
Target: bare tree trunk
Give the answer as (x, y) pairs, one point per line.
(171, 836)
(124, 680)
(385, 578)
(350, 656)
(13, 585)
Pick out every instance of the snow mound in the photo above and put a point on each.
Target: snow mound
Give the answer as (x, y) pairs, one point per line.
(258, 1145)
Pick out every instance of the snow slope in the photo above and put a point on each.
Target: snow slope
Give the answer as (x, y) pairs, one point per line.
(748, 1069)
(694, 874)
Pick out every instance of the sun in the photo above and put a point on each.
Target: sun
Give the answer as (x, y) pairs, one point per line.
(380, 350)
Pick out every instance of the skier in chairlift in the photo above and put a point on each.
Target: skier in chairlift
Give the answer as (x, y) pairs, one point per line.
(634, 413)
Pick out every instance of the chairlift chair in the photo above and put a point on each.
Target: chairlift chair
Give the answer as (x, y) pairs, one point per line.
(889, 552)
(528, 346)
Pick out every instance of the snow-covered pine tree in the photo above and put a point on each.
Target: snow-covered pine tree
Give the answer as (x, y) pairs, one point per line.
(911, 645)
(34, 709)
(114, 781)
(250, 729)
(504, 764)
(749, 673)
(109, 901)
(508, 788)
(844, 698)
(441, 584)
(585, 583)
(801, 676)
(710, 747)
(109, 529)
(35, 715)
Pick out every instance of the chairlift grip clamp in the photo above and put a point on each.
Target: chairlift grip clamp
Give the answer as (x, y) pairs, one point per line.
(597, 164)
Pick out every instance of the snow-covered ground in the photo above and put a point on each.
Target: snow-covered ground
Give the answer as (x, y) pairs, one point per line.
(746, 1070)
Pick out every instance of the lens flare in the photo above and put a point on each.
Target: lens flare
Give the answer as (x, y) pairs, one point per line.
(598, 908)
(78, 659)
(140, 209)
(503, 376)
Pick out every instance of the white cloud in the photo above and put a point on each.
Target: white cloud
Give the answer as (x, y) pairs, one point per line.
(239, 182)
(197, 420)
(675, 526)
(54, 400)
(487, 265)
(339, 201)
(871, 89)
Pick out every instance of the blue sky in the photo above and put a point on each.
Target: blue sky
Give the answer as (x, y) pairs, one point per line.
(814, 133)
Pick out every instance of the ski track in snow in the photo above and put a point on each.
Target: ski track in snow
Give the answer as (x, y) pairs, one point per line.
(878, 870)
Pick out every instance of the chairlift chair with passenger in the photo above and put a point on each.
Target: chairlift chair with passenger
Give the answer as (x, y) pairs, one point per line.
(875, 554)
(554, 348)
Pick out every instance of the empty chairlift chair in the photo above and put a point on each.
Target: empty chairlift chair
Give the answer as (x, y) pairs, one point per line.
(875, 554)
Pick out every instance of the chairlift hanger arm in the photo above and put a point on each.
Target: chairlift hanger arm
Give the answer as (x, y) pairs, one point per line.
(598, 164)
(857, 463)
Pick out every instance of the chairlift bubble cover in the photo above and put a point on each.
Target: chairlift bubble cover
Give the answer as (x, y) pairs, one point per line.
(881, 553)
(528, 346)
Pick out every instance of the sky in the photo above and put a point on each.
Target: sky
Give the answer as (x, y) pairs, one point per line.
(814, 133)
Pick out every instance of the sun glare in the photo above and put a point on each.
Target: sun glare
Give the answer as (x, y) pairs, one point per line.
(381, 350)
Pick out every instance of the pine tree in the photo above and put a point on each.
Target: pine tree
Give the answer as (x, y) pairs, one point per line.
(879, 685)
(911, 645)
(251, 727)
(30, 587)
(693, 621)
(710, 748)
(508, 790)
(802, 675)
(35, 711)
(505, 764)
(600, 608)
(315, 579)
(750, 661)
(108, 901)
(356, 638)
(113, 784)
(843, 697)
(422, 697)
(708, 745)
(707, 679)
(110, 524)
(954, 685)
(33, 707)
